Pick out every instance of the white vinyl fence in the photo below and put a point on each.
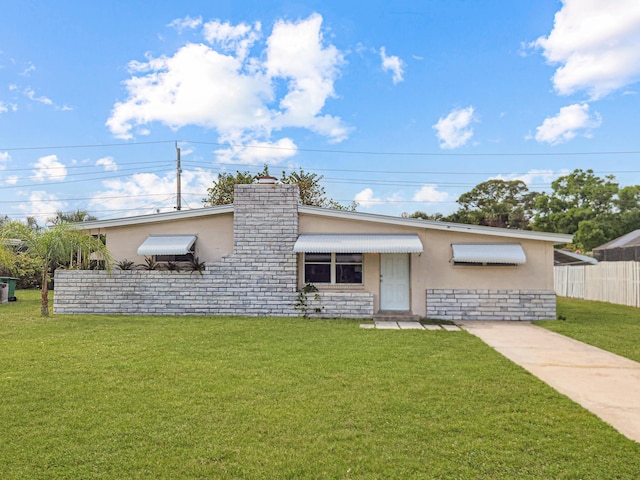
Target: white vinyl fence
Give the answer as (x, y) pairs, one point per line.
(613, 282)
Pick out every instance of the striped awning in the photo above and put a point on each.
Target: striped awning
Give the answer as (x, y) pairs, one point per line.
(358, 243)
(481, 253)
(167, 245)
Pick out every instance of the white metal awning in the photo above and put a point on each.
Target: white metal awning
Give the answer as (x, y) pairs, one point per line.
(502, 253)
(358, 243)
(167, 245)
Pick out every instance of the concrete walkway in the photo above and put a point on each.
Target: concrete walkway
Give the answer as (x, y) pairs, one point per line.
(408, 326)
(604, 383)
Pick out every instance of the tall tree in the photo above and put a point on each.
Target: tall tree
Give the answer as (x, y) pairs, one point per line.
(497, 203)
(576, 197)
(311, 191)
(222, 191)
(53, 246)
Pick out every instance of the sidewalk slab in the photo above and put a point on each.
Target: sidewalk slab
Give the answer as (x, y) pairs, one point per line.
(604, 383)
(387, 325)
(451, 328)
(410, 325)
(428, 326)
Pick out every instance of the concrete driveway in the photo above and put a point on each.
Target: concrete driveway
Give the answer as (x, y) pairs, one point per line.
(604, 383)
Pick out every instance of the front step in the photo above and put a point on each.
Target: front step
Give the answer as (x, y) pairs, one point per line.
(395, 316)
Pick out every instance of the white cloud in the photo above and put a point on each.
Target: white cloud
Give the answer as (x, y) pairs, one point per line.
(367, 199)
(237, 39)
(454, 130)
(296, 52)
(49, 168)
(30, 68)
(108, 163)
(145, 193)
(31, 95)
(12, 180)
(597, 45)
(257, 153)
(4, 159)
(392, 64)
(3, 107)
(42, 206)
(236, 94)
(430, 194)
(571, 121)
(186, 23)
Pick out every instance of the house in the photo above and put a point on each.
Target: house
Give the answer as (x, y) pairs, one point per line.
(261, 251)
(622, 249)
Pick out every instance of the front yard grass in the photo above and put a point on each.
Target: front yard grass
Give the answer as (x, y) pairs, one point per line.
(615, 328)
(279, 398)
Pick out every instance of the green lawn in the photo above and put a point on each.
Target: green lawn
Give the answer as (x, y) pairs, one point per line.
(615, 328)
(275, 398)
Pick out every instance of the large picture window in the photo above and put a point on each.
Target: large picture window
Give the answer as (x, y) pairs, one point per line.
(333, 268)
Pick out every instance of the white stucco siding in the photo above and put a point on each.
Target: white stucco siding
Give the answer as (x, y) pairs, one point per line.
(215, 237)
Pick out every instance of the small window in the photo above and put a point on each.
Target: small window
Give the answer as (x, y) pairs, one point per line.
(187, 257)
(175, 258)
(333, 268)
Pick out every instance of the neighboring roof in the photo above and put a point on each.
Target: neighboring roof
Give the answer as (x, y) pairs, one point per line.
(504, 253)
(167, 245)
(563, 257)
(555, 238)
(358, 243)
(631, 239)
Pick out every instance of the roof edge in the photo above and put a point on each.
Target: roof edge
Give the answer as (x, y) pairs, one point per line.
(556, 238)
(155, 217)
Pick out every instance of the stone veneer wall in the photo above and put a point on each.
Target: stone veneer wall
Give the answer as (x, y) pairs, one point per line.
(340, 305)
(258, 278)
(449, 304)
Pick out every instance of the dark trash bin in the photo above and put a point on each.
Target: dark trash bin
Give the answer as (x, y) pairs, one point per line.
(12, 287)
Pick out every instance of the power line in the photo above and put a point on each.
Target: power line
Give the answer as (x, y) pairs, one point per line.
(415, 154)
(319, 150)
(72, 181)
(95, 145)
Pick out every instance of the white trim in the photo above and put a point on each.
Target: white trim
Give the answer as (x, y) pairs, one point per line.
(483, 253)
(358, 243)
(167, 245)
(156, 217)
(555, 238)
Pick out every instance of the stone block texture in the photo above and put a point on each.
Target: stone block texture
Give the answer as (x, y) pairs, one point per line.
(258, 278)
(450, 304)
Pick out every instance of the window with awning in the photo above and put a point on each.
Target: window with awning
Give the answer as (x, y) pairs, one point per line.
(488, 254)
(358, 243)
(339, 258)
(169, 247)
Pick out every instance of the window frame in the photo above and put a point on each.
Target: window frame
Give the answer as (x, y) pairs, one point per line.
(333, 267)
(186, 258)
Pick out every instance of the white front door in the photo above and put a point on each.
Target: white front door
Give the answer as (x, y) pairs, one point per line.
(394, 281)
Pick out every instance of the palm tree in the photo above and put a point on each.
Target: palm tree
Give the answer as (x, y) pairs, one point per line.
(55, 246)
(71, 217)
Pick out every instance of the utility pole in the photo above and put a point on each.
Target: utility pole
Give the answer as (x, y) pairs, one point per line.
(178, 182)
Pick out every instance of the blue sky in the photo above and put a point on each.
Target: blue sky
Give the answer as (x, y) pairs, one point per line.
(401, 106)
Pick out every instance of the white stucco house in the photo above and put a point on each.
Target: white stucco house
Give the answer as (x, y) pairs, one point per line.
(262, 250)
